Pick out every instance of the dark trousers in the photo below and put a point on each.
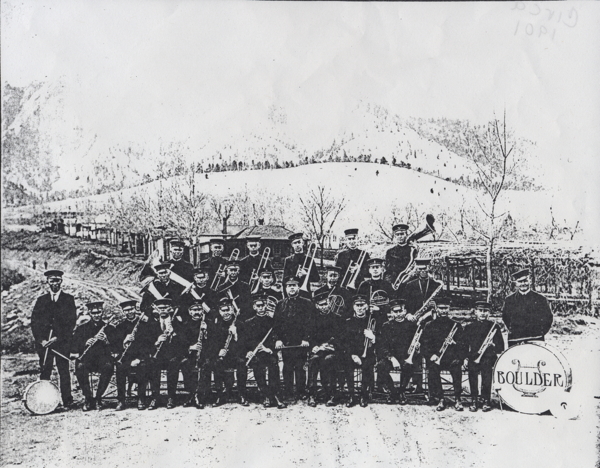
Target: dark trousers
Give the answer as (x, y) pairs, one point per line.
(126, 369)
(486, 369)
(62, 365)
(171, 365)
(326, 364)
(293, 369)
(384, 379)
(101, 364)
(367, 368)
(261, 364)
(224, 380)
(435, 381)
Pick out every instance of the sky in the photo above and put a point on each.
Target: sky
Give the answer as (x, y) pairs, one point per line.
(139, 70)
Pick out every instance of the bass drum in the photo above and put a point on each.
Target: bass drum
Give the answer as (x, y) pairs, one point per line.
(41, 397)
(532, 378)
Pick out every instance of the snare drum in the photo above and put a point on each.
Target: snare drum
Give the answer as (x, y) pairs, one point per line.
(532, 377)
(41, 397)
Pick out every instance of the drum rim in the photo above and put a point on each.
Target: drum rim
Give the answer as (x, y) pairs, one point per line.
(28, 388)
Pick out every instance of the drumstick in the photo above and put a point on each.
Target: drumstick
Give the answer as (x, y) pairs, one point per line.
(47, 349)
(61, 355)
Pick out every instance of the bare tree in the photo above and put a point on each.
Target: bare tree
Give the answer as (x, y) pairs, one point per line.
(222, 209)
(408, 214)
(320, 210)
(496, 153)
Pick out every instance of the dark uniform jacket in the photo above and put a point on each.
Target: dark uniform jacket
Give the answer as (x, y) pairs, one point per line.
(396, 260)
(327, 329)
(372, 290)
(416, 292)
(474, 336)
(352, 338)
(290, 269)
(240, 292)
(171, 290)
(213, 264)
(395, 338)
(86, 331)
(527, 315)
(293, 320)
(207, 296)
(189, 333)
(433, 338)
(255, 330)
(59, 316)
(116, 335)
(250, 263)
(343, 259)
(344, 311)
(217, 333)
(172, 347)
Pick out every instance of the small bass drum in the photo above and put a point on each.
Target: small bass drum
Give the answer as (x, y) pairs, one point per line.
(41, 397)
(532, 377)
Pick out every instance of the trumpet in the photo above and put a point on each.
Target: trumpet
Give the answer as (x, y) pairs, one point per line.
(414, 345)
(262, 264)
(216, 282)
(486, 343)
(307, 265)
(447, 342)
(350, 276)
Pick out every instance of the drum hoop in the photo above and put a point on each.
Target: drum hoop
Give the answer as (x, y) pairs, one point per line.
(34, 384)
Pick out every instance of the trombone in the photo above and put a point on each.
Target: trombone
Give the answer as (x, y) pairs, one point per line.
(350, 276)
(216, 282)
(264, 259)
(307, 265)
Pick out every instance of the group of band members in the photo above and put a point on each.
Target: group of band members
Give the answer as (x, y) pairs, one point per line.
(229, 315)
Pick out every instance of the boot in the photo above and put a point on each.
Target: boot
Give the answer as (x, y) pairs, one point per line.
(473, 406)
(280, 403)
(402, 399)
(120, 406)
(364, 402)
(458, 406)
(312, 402)
(220, 401)
(170, 403)
(351, 402)
(267, 402)
(88, 404)
(486, 407)
(441, 405)
(244, 401)
(153, 404)
(191, 401)
(331, 401)
(141, 405)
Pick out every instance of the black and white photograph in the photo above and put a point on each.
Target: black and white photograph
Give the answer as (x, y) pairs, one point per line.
(300, 234)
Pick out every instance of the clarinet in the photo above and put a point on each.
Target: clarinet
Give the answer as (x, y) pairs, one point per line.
(128, 345)
(85, 351)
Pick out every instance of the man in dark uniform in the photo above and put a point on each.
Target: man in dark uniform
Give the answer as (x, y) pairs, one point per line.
(377, 290)
(356, 333)
(216, 262)
(91, 344)
(266, 287)
(324, 346)
(527, 314)
(236, 290)
(293, 324)
(193, 336)
(476, 333)
(198, 292)
(179, 266)
(341, 298)
(443, 349)
(393, 342)
(128, 352)
(225, 350)
(399, 257)
(250, 264)
(160, 288)
(168, 350)
(53, 319)
(347, 261)
(261, 355)
(297, 265)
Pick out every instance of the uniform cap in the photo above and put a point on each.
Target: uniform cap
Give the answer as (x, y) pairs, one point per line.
(324, 296)
(334, 268)
(165, 301)
(359, 298)
(217, 240)
(125, 304)
(264, 270)
(195, 305)
(483, 305)
(94, 305)
(296, 235)
(233, 262)
(375, 261)
(443, 300)
(259, 297)
(520, 274)
(397, 303)
(349, 232)
(177, 243)
(253, 239)
(423, 261)
(400, 227)
(224, 301)
(56, 273)
(163, 266)
(201, 269)
(292, 280)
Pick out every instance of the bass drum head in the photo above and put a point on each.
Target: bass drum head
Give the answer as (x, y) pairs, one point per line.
(532, 378)
(41, 397)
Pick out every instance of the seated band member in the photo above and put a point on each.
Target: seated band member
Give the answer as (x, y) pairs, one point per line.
(399, 257)
(347, 261)
(194, 335)
(91, 343)
(342, 298)
(324, 350)
(393, 342)
(200, 291)
(250, 264)
(161, 287)
(225, 350)
(443, 350)
(216, 259)
(237, 290)
(164, 332)
(297, 265)
(128, 353)
(527, 314)
(475, 335)
(358, 350)
(261, 355)
(293, 324)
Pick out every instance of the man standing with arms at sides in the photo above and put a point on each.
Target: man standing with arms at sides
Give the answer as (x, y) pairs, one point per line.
(52, 322)
(395, 338)
(443, 349)
(216, 260)
(350, 256)
(298, 266)
(527, 314)
(399, 257)
(90, 342)
(251, 262)
(482, 357)
(340, 298)
(292, 327)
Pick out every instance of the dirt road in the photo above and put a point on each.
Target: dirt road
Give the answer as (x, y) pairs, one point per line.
(300, 436)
